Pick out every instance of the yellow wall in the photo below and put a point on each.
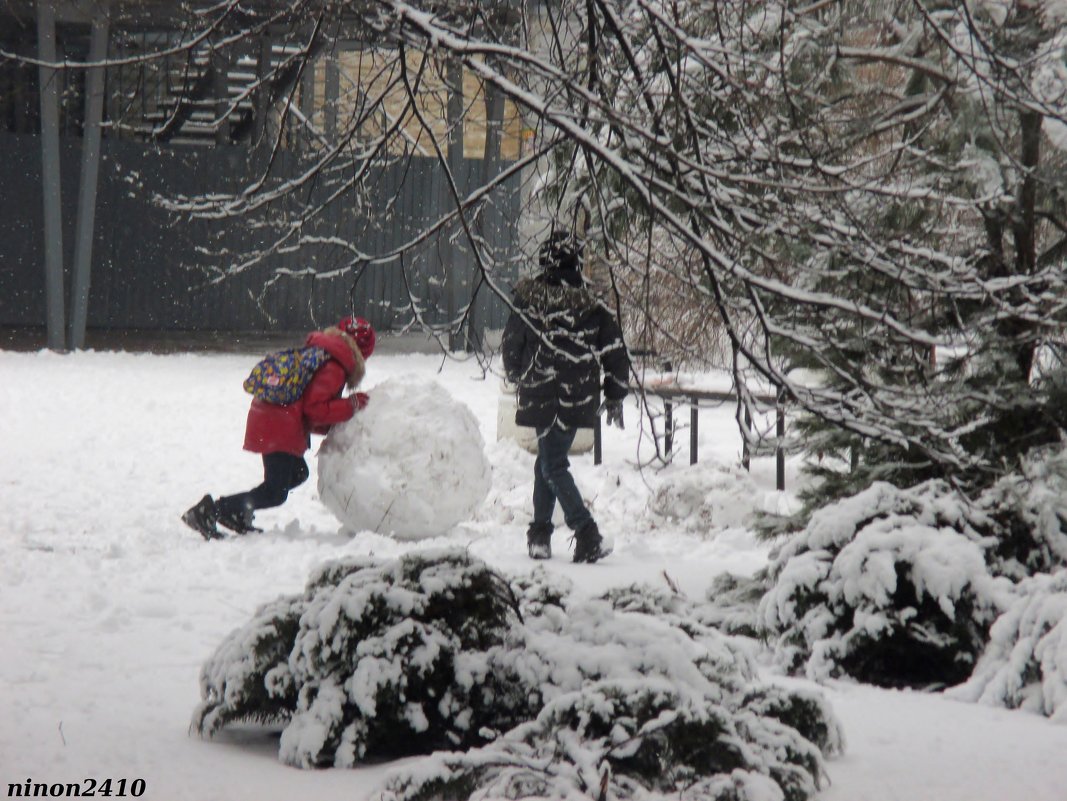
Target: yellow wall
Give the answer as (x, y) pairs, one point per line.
(372, 97)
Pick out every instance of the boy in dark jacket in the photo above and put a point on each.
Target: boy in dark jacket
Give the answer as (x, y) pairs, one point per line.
(282, 433)
(555, 343)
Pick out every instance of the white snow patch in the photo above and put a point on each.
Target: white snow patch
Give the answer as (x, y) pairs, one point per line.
(100, 454)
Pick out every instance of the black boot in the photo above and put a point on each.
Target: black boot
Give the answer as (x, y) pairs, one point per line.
(202, 518)
(239, 522)
(589, 546)
(539, 540)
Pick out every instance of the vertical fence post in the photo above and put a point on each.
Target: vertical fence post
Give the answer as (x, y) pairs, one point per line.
(745, 456)
(668, 427)
(779, 454)
(598, 452)
(668, 417)
(694, 421)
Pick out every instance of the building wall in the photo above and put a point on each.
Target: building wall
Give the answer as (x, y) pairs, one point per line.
(372, 97)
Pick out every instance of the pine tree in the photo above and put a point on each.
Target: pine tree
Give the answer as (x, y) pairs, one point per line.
(971, 214)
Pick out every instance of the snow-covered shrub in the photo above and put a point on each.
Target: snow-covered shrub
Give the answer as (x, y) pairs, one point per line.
(387, 659)
(1027, 513)
(733, 602)
(411, 464)
(524, 688)
(889, 586)
(247, 678)
(617, 740)
(806, 711)
(1025, 664)
(671, 607)
(641, 701)
(729, 607)
(540, 592)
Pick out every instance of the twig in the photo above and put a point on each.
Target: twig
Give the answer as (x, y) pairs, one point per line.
(387, 510)
(671, 584)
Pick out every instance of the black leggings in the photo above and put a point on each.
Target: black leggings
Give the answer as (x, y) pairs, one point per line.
(281, 473)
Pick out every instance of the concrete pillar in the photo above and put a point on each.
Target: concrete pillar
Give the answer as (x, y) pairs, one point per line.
(90, 171)
(50, 176)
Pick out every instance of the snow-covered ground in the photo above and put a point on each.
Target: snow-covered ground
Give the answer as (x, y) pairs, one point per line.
(109, 604)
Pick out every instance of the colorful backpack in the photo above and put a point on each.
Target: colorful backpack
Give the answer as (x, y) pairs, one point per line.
(281, 377)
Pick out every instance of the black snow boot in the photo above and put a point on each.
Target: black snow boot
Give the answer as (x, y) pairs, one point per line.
(589, 546)
(539, 540)
(239, 523)
(202, 518)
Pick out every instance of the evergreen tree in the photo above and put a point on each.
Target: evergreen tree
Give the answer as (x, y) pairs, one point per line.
(968, 212)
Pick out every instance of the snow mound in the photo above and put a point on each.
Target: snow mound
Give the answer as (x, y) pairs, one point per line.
(707, 497)
(514, 689)
(889, 586)
(411, 464)
(1025, 664)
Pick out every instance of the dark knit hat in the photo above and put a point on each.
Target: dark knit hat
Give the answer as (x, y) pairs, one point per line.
(560, 257)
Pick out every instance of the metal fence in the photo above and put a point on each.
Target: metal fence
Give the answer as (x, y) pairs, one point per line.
(149, 265)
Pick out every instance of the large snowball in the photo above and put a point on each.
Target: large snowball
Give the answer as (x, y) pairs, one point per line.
(411, 464)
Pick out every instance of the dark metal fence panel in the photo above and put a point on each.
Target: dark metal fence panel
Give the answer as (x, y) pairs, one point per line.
(147, 264)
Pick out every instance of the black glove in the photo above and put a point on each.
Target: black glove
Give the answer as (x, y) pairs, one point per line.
(613, 413)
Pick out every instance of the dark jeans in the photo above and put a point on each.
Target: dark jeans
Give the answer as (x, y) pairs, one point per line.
(281, 473)
(553, 481)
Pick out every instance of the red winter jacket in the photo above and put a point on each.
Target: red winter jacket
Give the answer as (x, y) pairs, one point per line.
(272, 427)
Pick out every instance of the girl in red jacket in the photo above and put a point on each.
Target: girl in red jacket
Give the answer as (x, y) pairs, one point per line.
(283, 433)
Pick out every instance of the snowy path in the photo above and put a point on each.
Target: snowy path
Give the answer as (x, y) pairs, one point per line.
(109, 605)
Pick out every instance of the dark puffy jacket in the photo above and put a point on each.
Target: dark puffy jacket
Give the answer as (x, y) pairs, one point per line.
(554, 347)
